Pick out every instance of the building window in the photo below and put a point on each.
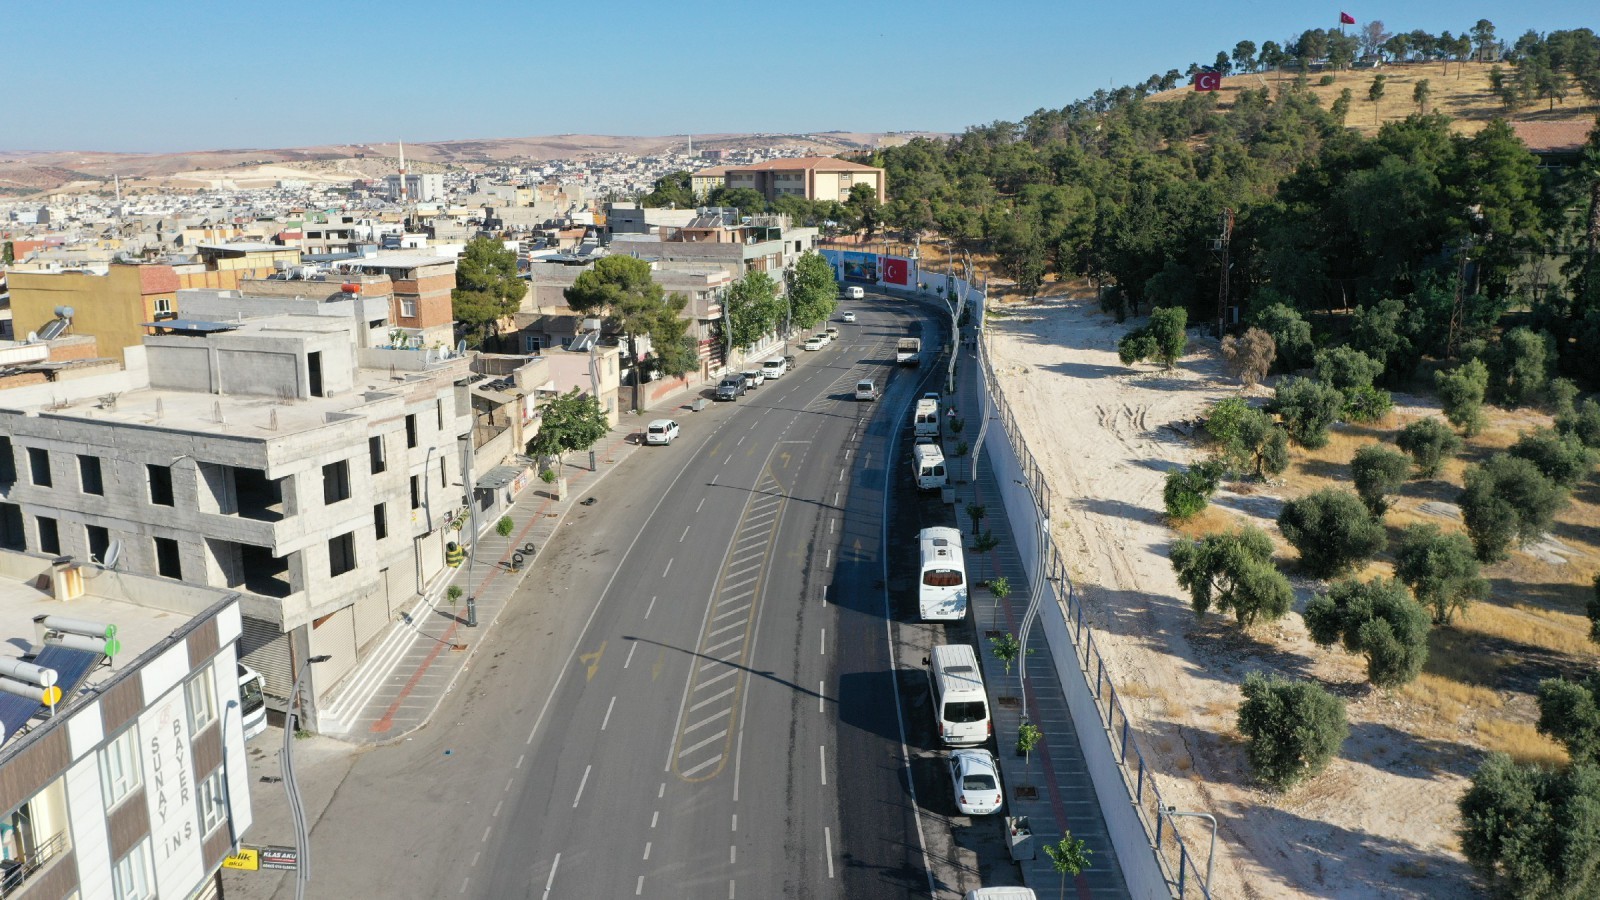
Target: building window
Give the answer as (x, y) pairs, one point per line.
(202, 701)
(408, 308)
(438, 411)
(8, 464)
(89, 475)
(119, 767)
(375, 450)
(380, 521)
(213, 802)
(411, 431)
(416, 492)
(39, 466)
(442, 477)
(99, 541)
(168, 562)
(160, 484)
(49, 536)
(162, 306)
(341, 554)
(335, 482)
(130, 876)
(532, 344)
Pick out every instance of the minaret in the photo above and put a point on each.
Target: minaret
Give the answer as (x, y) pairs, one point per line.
(402, 173)
(691, 145)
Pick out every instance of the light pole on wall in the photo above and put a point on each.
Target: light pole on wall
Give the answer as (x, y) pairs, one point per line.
(297, 812)
(1036, 587)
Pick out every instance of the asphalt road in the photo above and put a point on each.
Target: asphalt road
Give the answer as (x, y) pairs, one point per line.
(693, 695)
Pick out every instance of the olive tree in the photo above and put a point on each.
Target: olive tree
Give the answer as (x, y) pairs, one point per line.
(1234, 571)
(1461, 393)
(1533, 832)
(1308, 408)
(1429, 442)
(1440, 569)
(1377, 618)
(1505, 499)
(1378, 472)
(1562, 458)
(1332, 531)
(1294, 728)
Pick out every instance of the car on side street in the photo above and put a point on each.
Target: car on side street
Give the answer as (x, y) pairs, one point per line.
(792, 360)
(815, 343)
(849, 317)
(832, 333)
(730, 387)
(774, 368)
(753, 378)
(661, 431)
(975, 779)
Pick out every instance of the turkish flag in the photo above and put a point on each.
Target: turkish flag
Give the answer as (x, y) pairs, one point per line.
(1346, 19)
(1208, 80)
(894, 270)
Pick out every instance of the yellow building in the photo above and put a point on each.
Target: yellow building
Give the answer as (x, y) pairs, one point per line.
(112, 307)
(812, 177)
(223, 266)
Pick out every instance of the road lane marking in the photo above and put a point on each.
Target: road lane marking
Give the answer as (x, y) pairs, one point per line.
(646, 849)
(823, 646)
(581, 785)
(661, 791)
(668, 568)
(822, 698)
(607, 720)
(708, 720)
(713, 680)
(508, 785)
(476, 856)
(715, 737)
(733, 854)
(592, 660)
(464, 883)
(830, 526)
(729, 460)
(740, 441)
(827, 843)
(655, 817)
(835, 498)
(552, 879)
(685, 533)
(718, 475)
(485, 838)
(519, 765)
(497, 811)
(829, 561)
(725, 692)
(649, 609)
(824, 595)
(702, 767)
(700, 504)
(630, 654)
(638, 890)
(822, 756)
(735, 821)
(732, 612)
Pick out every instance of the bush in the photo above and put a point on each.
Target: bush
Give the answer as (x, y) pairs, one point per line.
(1332, 531)
(1294, 728)
(1135, 346)
(1366, 404)
(1222, 420)
(1378, 472)
(1430, 442)
(1290, 334)
(1441, 570)
(1385, 332)
(1532, 832)
(1564, 460)
(1560, 395)
(1235, 571)
(1519, 367)
(1569, 714)
(1163, 339)
(1507, 498)
(1377, 618)
(1325, 80)
(1250, 355)
(1461, 393)
(1347, 369)
(1582, 423)
(1187, 492)
(1308, 407)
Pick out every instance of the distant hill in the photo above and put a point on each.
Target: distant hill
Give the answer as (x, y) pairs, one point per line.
(1460, 91)
(28, 172)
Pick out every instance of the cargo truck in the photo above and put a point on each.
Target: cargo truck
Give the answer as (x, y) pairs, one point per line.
(908, 352)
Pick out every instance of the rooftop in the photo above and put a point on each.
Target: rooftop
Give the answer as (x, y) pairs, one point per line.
(819, 163)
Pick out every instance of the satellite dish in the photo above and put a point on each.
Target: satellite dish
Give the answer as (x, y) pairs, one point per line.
(33, 337)
(113, 553)
(461, 347)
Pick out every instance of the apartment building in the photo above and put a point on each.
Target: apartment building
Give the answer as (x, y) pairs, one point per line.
(134, 783)
(111, 305)
(279, 457)
(811, 177)
(422, 283)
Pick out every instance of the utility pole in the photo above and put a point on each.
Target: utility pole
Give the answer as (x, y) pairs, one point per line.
(1221, 247)
(1453, 341)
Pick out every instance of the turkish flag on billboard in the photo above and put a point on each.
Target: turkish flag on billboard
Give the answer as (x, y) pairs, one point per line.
(893, 270)
(1346, 19)
(1207, 80)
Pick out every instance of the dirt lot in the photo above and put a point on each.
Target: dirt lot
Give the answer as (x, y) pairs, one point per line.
(1381, 821)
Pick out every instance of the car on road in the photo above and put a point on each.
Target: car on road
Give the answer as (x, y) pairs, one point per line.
(661, 431)
(792, 360)
(849, 317)
(832, 333)
(774, 368)
(855, 293)
(730, 387)
(975, 779)
(815, 343)
(753, 378)
(866, 390)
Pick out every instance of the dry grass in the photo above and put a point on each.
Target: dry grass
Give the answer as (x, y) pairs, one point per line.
(1520, 623)
(1460, 91)
(1207, 521)
(1519, 740)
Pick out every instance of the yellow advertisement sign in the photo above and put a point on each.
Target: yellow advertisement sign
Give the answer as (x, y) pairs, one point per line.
(246, 859)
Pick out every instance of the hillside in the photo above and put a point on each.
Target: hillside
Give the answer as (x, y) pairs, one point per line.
(1461, 91)
(255, 167)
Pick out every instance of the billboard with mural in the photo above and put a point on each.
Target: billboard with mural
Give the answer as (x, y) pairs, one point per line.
(860, 266)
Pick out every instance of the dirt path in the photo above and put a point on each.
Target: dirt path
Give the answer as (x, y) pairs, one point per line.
(1380, 820)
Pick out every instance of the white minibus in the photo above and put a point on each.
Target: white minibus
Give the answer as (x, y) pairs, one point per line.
(927, 464)
(252, 702)
(927, 417)
(942, 585)
(960, 707)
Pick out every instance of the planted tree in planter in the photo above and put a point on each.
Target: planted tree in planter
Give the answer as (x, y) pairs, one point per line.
(976, 511)
(1006, 648)
(1069, 857)
(1028, 737)
(505, 526)
(454, 593)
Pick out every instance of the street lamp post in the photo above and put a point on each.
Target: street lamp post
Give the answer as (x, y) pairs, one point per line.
(297, 812)
(1211, 857)
(1036, 592)
(468, 481)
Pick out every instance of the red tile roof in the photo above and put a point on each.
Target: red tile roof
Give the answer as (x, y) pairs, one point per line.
(158, 280)
(1565, 136)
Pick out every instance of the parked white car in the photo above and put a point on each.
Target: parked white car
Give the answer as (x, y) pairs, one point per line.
(815, 343)
(976, 781)
(661, 431)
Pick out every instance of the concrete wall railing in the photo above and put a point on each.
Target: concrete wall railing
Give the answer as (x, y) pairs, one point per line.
(1156, 860)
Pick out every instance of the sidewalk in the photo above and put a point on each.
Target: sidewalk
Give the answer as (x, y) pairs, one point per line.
(411, 666)
(1052, 788)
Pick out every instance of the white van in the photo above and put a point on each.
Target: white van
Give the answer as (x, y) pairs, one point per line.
(927, 418)
(252, 701)
(855, 293)
(866, 390)
(1002, 893)
(960, 706)
(942, 577)
(927, 464)
(775, 368)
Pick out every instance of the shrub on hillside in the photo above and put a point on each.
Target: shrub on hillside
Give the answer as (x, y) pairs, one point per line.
(1520, 365)
(1163, 339)
(1290, 333)
(1332, 531)
(1569, 713)
(1308, 408)
(1377, 618)
(1507, 499)
(1188, 491)
(1582, 422)
(1346, 368)
(1293, 728)
(1461, 393)
(1441, 570)
(1234, 571)
(1378, 472)
(1250, 355)
(1533, 832)
(1429, 442)
(1562, 459)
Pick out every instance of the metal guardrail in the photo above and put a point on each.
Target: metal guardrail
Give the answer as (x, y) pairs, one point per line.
(1184, 876)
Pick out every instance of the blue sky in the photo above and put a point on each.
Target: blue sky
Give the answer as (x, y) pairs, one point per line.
(172, 76)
